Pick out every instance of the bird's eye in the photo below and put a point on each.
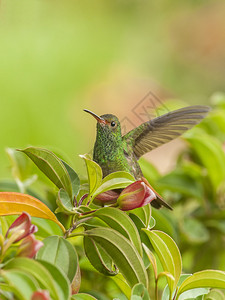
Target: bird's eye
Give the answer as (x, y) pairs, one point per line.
(113, 124)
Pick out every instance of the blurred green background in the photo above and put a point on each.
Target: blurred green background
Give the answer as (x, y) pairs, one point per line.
(59, 57)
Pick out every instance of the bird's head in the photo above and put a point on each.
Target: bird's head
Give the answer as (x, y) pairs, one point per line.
(107, 124)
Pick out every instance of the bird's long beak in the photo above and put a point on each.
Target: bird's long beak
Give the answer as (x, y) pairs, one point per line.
(99, 119)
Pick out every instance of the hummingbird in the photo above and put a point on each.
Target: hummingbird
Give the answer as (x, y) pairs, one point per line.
(114, 152)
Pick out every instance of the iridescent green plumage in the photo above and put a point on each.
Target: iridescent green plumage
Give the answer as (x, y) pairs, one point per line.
(114, 152)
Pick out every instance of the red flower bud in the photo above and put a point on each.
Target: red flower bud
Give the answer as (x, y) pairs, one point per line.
(135, 195)
(29, 246)
(23, 224)
(40, 295)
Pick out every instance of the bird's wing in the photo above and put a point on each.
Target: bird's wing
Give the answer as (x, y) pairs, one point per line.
(163, 129)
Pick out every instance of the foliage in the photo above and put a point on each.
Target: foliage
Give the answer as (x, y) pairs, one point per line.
(195, 188)
(133, 250)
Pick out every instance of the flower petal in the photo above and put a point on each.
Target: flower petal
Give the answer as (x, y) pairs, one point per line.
(149, 196)
(29, 246)
(132, 196)
(23, 223)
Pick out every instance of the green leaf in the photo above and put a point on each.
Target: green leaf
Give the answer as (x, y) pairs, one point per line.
(140, 225)
(46, 227)
(99, 258)
(75, 180)
(180, 182)
(164, 222)
(210, 153)
(122, 252)
(152, 260)
(64, 202)
(194, 293)
(82, 296)
(20, 164)
(215, 295)
(61, 281)
(115, 180)
(51, 166)
(120, 221)
(20, 282)
(166, 291)
(61, 253)
(122, 285)
(194, 231)
(143, 213)
(94, 174)
(38, 271)
(206, 278)
(9, 291)
(168, 253)
(139, 292)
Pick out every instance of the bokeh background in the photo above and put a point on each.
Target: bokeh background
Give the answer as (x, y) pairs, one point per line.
(59, 57)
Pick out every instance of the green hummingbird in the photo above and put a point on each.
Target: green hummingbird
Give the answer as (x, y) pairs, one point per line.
(114, 152)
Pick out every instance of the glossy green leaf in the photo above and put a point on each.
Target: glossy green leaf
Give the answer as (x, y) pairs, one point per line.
(139, 292)
(61, 253)
(99, 258)
(122, 252)
(194, 293)
(215, 295)
(61, 281)
(51, 166)
(64, 202)
(211, 154)
(143, 213)
(140, 225)
(165, 274)
(46, 227)
(166, 291)
(82, 296)
(152, 260)
(115, 180)
(8, 291)
(21, 166)
(122, 285)
(168, 253)
(38, 271)
(21, 283)
(75, 180)
(94, 174)
(121, 222)
(206, 278)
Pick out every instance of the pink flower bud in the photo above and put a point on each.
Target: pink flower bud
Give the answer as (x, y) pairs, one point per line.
(29, 246)
(23, 224)
(135, 195)
(40, 295)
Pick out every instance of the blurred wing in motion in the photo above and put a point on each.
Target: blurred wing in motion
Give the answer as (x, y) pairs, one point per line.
(163, 129)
